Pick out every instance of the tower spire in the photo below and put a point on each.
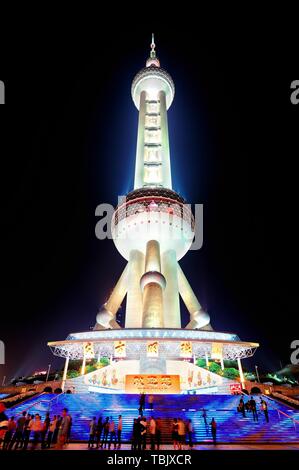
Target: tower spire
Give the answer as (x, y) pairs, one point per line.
(153, 59)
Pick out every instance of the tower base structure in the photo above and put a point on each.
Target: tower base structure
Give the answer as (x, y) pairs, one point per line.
(154, 360)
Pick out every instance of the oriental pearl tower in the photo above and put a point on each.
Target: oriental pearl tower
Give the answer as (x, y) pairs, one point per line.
(153, 227)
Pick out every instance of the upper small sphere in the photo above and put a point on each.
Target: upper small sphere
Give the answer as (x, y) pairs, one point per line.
(152, 79)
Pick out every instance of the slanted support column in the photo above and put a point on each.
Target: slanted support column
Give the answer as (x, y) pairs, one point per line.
(139, 166)
(64, 377)
(83, 362)
(207, 359)
(152, 284)
(166, 171)
(106, 316)
(242, 379)
(171, 300)
(198, 318)
(134, 294)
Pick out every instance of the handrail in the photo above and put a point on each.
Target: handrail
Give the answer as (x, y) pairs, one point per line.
(40, 401)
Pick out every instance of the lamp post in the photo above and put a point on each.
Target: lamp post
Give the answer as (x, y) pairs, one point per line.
(257, 374)
(48, 372)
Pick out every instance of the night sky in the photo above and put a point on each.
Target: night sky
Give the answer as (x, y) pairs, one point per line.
(68, 138)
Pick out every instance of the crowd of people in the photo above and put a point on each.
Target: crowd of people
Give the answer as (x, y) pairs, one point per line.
(104, 433)
(30, 428)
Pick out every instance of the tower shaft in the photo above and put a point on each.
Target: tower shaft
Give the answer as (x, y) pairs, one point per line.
(152, 167)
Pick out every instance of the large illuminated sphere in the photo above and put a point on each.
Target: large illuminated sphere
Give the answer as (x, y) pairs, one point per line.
(152, 80)
(153, 214)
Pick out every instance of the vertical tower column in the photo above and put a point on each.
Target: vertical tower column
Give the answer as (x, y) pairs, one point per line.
(134, 294)
(171, 300)
(166, 171)
(152, 284)
(139, 166)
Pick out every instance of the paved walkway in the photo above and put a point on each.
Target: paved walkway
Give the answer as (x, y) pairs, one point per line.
(200, 447)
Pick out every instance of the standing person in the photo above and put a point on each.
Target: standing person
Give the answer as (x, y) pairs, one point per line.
(190, 432)
(92, 432)
(158, 432)
(136, 441)
(143, 426)
(69, 430)
(36, 426)
(63, 429)
(52, 428)
(151, 402)
(3, 423)
(105, 433)
(11, 427)
(119, 430)
(152, 431)
(27, 430)
(99, 431)
(241, 407)
(253, 409)
(214, 430)
(18, 435)
(56, 431)
(45, 430)
(141, 403)
(112, 433)
(264, 408)
(175, 436)
(181, 433)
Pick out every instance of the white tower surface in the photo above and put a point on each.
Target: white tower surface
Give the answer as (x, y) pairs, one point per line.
(154, 228)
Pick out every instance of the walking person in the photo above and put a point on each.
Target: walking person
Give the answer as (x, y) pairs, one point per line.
(152, 432)
(214, 430)
(252, 404)
(92, 432)
(190, 433)
(119, 431)
(241, 407)
(112, 433)
(52, 428)
(99, 432)
(18, 435)
(205, 419)
(158, 432)
(264, 408)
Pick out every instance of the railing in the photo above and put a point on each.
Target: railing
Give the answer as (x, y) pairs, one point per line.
(49, 402)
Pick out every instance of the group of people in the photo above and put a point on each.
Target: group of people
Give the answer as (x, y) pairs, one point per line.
(104, 433)
(251, 407)
(142, 426)
(16, 434)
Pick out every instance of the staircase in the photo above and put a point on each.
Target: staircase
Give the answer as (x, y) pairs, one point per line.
(231, 426)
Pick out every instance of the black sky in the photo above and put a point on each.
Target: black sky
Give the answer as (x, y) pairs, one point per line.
(68, 136)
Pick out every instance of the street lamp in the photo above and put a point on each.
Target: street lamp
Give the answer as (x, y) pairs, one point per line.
(257, 374)
(49, 367)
